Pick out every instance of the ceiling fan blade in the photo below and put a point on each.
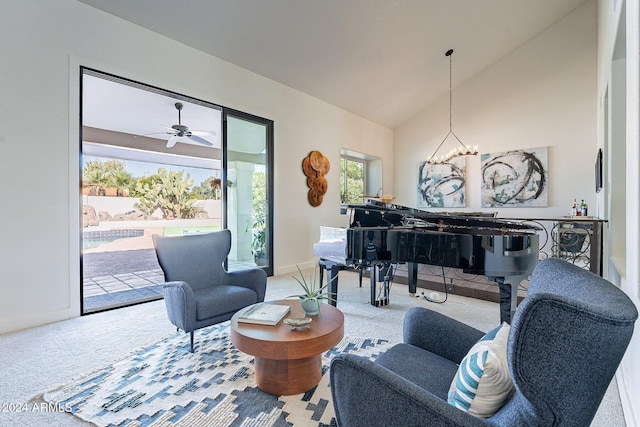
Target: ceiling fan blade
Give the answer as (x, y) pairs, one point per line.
(152, 135)
(201, 140)
(203, 132)
(172, 141)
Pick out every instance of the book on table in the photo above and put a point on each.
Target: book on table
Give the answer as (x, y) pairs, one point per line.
(264, 314)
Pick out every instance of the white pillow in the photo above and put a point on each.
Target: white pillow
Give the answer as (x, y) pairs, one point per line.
(483, 383)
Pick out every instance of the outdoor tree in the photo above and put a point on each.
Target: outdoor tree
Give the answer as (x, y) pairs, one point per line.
(209, 189)
(168, 191)
(258, 228)
(259, 194)
(111, 173)
(351, 181)
(122, 181)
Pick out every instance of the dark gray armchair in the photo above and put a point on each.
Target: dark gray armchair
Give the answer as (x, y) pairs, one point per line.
(198, 291)
(566, 341)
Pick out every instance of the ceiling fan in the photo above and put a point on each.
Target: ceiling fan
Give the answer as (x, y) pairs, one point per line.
(181, 132)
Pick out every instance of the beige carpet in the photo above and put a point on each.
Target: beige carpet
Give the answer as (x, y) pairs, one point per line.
(38, 359)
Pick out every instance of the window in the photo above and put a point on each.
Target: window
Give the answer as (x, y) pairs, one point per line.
(352, 180)
(360, 176)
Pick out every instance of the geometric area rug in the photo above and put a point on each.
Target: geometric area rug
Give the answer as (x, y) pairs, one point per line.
(166, 385)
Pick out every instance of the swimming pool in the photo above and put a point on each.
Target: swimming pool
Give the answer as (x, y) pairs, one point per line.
(93, 239)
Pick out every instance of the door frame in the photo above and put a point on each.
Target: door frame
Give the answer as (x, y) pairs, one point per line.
(226, 112)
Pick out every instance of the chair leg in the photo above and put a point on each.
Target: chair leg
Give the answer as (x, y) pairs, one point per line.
(191, 341)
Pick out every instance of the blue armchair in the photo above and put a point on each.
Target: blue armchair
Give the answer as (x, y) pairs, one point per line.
(198, 291)
(565, 343)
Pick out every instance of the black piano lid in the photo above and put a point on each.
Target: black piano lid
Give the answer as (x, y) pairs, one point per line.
(382, 215)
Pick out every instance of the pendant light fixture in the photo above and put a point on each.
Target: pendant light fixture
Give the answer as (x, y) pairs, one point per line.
(463, 150)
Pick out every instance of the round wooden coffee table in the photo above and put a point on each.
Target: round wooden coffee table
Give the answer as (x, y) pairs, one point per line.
(289, 361)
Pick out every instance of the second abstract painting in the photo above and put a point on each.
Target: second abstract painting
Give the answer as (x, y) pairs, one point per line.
(515, 178)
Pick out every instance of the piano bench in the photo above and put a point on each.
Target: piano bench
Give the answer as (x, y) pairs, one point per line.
(332, 269)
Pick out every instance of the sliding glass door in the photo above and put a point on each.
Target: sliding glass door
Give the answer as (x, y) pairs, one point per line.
(248, 162)
(156, 162)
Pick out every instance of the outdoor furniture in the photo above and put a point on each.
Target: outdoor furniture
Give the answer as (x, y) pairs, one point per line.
(198, 291)
(565, 343)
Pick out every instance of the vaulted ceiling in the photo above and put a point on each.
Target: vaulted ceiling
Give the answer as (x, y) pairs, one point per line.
(380, 59)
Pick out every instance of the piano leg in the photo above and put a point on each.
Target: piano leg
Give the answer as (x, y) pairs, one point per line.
(412, 277)
(508, 287)
(384, 275)
(332, 278)
(372, 278)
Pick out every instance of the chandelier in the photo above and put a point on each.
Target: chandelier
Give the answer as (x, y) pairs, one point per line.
(462, 150)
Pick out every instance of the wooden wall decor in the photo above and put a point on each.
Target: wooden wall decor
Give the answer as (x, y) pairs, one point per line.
(315, 166)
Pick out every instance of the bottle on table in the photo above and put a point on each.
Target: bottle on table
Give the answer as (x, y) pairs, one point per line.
(584, 208)
(574, 208)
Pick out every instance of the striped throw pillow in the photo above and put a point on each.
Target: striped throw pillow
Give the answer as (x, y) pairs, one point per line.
(483, 383)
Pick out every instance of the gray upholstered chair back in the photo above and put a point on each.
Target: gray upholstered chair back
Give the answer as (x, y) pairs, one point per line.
(196, 259)
(567, 339)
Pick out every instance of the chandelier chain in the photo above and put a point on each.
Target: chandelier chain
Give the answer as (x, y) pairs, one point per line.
(463, 150)
(450, 96)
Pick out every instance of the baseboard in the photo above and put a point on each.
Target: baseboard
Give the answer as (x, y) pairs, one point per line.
(629, 412)
(287, 269)
(34, 320)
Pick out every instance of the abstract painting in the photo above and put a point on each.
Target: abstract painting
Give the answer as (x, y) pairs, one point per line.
(515, 178)
(442, 185)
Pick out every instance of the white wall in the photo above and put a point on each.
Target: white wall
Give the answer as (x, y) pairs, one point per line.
(619, 43)
(41, 45)
(541, 94)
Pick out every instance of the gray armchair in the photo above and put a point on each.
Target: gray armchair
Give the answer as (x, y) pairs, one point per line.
(566, 341)
(198, 291)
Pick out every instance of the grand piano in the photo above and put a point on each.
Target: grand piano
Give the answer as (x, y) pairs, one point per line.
(380, 236)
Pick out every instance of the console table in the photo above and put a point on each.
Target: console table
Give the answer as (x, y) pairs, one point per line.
(577, 239)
